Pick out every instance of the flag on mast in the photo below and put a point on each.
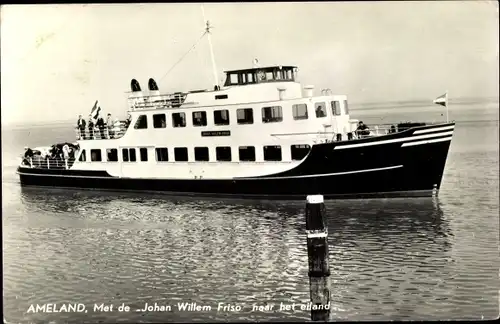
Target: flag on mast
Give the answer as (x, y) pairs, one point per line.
(95, 110)
(442, 100)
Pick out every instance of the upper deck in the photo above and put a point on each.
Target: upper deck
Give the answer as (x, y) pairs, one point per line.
(258, 84)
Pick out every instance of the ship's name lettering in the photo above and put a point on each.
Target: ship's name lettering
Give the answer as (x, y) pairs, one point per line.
(216, 133)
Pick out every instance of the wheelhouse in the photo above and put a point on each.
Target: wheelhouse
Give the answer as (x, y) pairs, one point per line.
(260, 75)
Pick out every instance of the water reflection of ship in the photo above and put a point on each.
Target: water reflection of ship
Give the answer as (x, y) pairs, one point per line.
(259, 246)
(354, 221)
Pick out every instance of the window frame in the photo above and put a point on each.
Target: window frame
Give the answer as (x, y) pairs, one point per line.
(217, 154)
(164, 120)
(265, 147)
(246, 147)
(238, 120)
(272, 119)
(296, 107)
(216, 123)
(203, 118)
(180, 113)
(175, 154)
(136, 125)
(108, 152)
(163, 149)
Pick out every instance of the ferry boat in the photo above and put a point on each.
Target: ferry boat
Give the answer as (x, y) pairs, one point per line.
(261, 135)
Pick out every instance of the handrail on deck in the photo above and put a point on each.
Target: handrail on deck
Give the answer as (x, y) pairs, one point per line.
(100, 133)
(37, 162)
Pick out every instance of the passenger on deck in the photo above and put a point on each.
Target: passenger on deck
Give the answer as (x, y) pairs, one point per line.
(65, 152)
(28, 155)
(128, 121)
(109, 126)
(100, 125)
(91, 127)
(80, 124)
(392, 130)
(362, 130)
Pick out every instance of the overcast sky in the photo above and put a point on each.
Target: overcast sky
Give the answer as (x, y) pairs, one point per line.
(56, 60)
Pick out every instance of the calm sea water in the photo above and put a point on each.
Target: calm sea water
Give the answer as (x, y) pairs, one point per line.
(393, 259)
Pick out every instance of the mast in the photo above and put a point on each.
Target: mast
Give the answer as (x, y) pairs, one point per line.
(207, 31)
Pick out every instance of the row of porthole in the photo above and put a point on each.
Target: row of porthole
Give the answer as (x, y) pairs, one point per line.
(243, 115)
(201, 154)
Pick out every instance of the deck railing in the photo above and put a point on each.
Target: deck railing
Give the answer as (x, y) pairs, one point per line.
(97, 133)
(39, 162)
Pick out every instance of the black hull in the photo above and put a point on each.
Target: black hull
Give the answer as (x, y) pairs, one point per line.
(375, 167)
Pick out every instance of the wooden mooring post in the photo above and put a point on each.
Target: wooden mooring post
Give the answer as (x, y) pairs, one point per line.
(317, 252)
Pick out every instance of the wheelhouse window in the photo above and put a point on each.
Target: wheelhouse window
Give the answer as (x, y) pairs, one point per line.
(244, 116)
(223, 153)
(162, 154)
(179, 119)
(201, 154)
(346, 107)
(159, 121)
(112, 155)
(143, 151)
(320, 109)
(181, 154)
(141, 123)
(299, 152)
(246, 153)
(272, 114)
(272, 153)
(221, 117)
(83, 157)
(299, 111)
(199, 118)
(336, 108)
(95, 155)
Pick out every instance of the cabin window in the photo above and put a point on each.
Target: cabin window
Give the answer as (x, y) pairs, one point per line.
(250, 78)
(299, 151)
(181, 154)
(143, 151)
(272, 153)
(162, 154)
(299, 111)
(272, 114)
(125, 155)
(95, 155)
(179, 119)
(246, 153)
(223, 153)
(128, 155)
(346, 107)
(218, 97)
(159, 121)
(201, 154)
(221, 117)
(244, 116)
(199, 118)
(112, 155)
(141, 123)
(336, 108)
(320, 109)
(233, 78)
(83, 157)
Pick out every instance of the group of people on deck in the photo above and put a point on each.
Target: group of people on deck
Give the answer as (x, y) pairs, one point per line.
(57, 156)
(100, 129)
